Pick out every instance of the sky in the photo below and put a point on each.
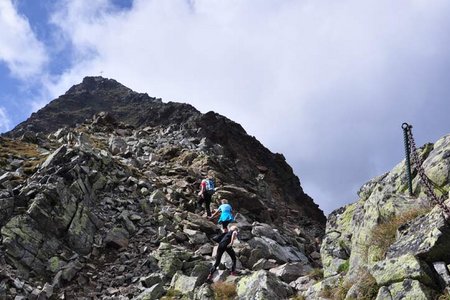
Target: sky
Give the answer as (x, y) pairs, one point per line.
(327, 83)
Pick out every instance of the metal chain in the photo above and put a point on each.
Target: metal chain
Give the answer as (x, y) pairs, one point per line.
(417, 160)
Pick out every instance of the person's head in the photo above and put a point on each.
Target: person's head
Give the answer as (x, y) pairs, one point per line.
(234, 228)
(224, 201)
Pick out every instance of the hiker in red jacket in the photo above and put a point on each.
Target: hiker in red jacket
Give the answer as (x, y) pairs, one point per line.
(206, 191)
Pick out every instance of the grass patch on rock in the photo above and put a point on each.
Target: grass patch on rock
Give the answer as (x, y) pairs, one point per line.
(316, 273)
(384, 234)
(343, 268)
(365, 287)
(172, 294)
(338, 292)
(224, 290)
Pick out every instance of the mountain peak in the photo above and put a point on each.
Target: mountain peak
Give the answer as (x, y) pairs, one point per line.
(96, 83)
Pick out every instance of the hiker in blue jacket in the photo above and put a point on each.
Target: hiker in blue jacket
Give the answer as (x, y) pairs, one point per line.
(226, 215)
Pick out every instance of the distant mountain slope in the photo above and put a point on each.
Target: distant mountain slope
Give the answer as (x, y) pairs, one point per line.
(96, 94)
(108, 209)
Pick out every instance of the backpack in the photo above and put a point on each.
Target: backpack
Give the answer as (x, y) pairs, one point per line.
(210, 185)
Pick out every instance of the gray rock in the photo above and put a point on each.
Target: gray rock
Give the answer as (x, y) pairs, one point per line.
(291, 271)
(408, 289)
(441, 269)
(153, 293)
(204, 292)
(6, 177)
(196, 237)
(265, 230)
(117, 145)
(184, 284)
(47, 290)
(200, 271)
(70, 270)
(157, 198)
(303, 283)
(206, 249)
(271, 249)
(262, 285)
(151, 280)
(117, 237)
(264, 264)
(55, 157)
(398, 269)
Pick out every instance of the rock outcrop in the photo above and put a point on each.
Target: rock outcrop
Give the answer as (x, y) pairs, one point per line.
(106, 209)
(389, 245)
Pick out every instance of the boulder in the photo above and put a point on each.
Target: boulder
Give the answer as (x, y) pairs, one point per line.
(117, 145)
(184, 284)
(264, 264)
(262, 285)
(265, 230)
(153, 293)
(70, 270)
(408, 289)
(203, 224)
(201, 271)
(444, 276)
(271, 249)
(240, 198)
(6, 207)
(55, 158)
(398, 269)
(157, 198)
(315, 291)
(303, 283)
(6, 177)
(427, 236)
(171, 258)
(27, 246)
(117, 238)
(196, 237)
(204, 292)
(151, 280)
(291, 271)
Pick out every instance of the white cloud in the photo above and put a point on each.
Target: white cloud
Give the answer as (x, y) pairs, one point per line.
(327, 83)
(5, 122)
(20, 50)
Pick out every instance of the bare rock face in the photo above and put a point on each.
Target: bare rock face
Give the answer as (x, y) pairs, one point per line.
(398, 243)
(108, 209)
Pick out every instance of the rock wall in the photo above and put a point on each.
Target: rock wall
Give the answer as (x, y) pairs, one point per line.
(399, 242)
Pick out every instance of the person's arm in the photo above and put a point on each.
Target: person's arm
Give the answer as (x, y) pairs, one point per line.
(233, 237)
(202, 188)
(214, 214)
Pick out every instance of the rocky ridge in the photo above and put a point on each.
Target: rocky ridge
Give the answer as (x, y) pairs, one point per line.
(96, 94)
(389, 245)
(106, 209)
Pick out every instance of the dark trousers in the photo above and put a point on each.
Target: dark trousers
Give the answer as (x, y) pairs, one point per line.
(206, 198)
(220, 252)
